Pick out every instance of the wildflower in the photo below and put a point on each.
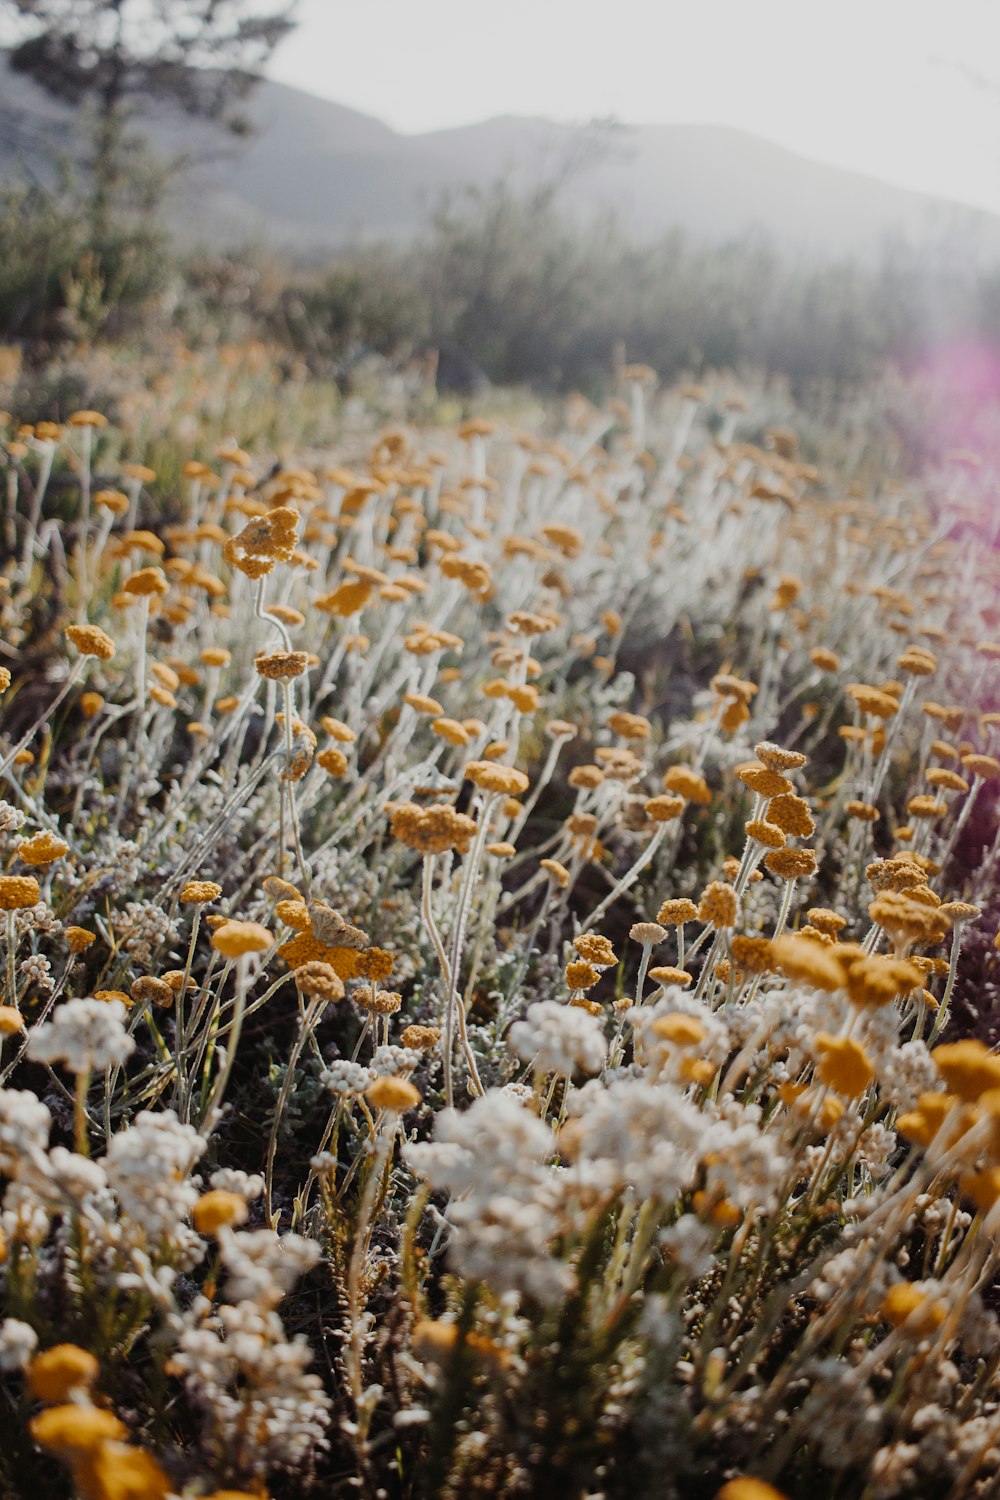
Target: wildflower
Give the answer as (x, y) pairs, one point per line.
(148, 990)
(585, 777)
(42, 849)
(84, 1035)
(687, 784)
(777, 758)
(18, 892)
(666, 974)
(559, 1039)
(422, 704)
(676, 912)
(791, 864)
(581, 975)
(649, 933)
(762, 780)
(432, 830)
(844, 1064)
(73, 1431)
(556, 872)
(122, 1472)
(148, 1167)
(629, 726)
(319, 981)
(768, 835)
(875, 980)
(55, 1374)
(218, 1209)
(18, 1342)
(11, 818)
(791, 814)
(986, 767)
(236, 939)
(396, 1095)
(679, 1029)
(745, 1488)
(718, 904)
(281, 666)
(967, 1068)
(346, 1078)
(801, 958)
(505, 780)
(752, 954)
(871, 700)
(199, 892)
(146, 583)
(333, 761)
(828, 922)
(596, 949)
(338, 730)
(909, 1303)
(108, 997)
(663, 809)
(420, 1038)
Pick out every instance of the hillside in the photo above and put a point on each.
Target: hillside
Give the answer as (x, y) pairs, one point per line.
(317, 175)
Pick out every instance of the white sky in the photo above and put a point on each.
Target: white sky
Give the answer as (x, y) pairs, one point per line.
(881, 86)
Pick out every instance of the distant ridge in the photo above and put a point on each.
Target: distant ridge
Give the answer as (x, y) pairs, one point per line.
(317, 176)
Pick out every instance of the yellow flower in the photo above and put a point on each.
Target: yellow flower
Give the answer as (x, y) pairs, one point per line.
(91, 640)
(18, 892)
(907, 1302)
(58, 1371)
(74, 1431)
(218, 1209)
(235, 939)
(844, 1064)
(394, 1094)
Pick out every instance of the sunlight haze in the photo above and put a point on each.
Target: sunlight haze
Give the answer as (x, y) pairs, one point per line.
(905, 90)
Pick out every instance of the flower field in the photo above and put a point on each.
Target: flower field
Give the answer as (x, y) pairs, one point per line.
(498, 950)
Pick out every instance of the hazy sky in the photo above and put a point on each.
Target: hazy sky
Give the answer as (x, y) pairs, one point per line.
(907, 90)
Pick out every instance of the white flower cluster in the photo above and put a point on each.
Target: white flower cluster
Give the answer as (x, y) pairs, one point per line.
(636, 1134)
(18, 1342)
(148, 1167)
(24, 1127)
(390, 1061)
(229, 1180)
(147, 928)
(262, 1266)
(253, 1386)
(555, 1038)
(348, 1079)
(84, 1035)
(12, 820)
(494, 1161)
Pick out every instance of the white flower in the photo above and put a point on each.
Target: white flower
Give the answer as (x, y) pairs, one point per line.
(246, 1377)
(637, 1134)
(563, 1039)
(346, 1078)
(495, 1160)
(18, 1342)
(389, 1061)
(148, 1167)
(263, 1266)
(11, 818)
(24, 1127)
(230, 1180)
(85, 1035)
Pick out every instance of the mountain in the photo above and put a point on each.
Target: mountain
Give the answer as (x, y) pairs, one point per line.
(317, 175)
